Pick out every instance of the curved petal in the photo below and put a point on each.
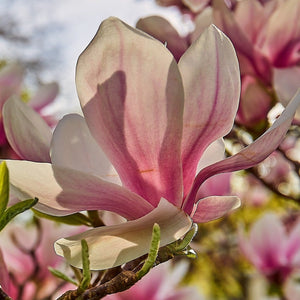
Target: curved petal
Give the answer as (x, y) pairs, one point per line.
(27, 133)
(44, 96)
(62, 191)
(249, 156)
(162, 30)
(112, 246)
(11, 77)
(134, 114)
(211, 80)
(215, 207)
(73, 147)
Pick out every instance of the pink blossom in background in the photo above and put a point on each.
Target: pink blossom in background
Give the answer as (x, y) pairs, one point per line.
(17, 241)
(153, 130)
(11, 85)
(161, 283)
(274, 251)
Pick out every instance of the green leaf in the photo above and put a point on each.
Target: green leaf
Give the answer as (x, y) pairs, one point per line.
(4, 187)
(62, 276)
(154, 247)
(86, 273)
(74, 219)
(16, 209)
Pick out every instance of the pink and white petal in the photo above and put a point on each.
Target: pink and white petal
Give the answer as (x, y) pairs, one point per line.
(11, 77)
(62, 191)
(134, 115)
(112, 246)
(286, 82)
(73, 147)
(280, 40)
(162, 30)
(249, 156)
(27, 133)
(213, 153)
(4, 277)
(214, 207)
(44, 96)
(267, 237)
(211, 82)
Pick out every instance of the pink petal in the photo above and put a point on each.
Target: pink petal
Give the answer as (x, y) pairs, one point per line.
(250, 57)
(162, 30)
(214, 207)
(73, 147)
(11, 77)
(211, 81)
(27, 133)
(202, 21)
(267, 237)
(4, 277)
(245, 12)
(134, 114)
(292, 250)
(112, 246)
(280, 41)
(44, 96)
(62, 191)
(251, 155)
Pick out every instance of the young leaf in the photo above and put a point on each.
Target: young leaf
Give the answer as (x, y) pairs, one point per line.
(74, 219)
(62, 276)
(86, 273)
(154, 246)
(16, 209)
(4, 187)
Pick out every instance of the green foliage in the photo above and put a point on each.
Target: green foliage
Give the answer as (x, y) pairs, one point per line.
(7, 214)
(4, 187)
(86, 273)
(16, 209)
(154, 247)
(62, 276)
(73, 219)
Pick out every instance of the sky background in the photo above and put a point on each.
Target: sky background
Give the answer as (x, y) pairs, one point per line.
(59, 30)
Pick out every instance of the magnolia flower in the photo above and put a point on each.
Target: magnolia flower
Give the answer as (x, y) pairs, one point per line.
(161, 283)
(271, 249)
(11, 79)
(156, 121)
(268, 48)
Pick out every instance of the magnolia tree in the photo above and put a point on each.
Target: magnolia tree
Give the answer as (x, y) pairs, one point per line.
(162, 128)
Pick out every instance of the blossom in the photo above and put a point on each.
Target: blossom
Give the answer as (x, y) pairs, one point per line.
(11, 79)
(27, 256)
(160, 284)
(148, 124)
(273, 250)
(268, 49)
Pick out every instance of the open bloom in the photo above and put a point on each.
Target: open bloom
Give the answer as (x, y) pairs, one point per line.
(11, 79)
(157, 122)
(271, 249)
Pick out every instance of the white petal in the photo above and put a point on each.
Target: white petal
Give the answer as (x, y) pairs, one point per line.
(112, 246)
